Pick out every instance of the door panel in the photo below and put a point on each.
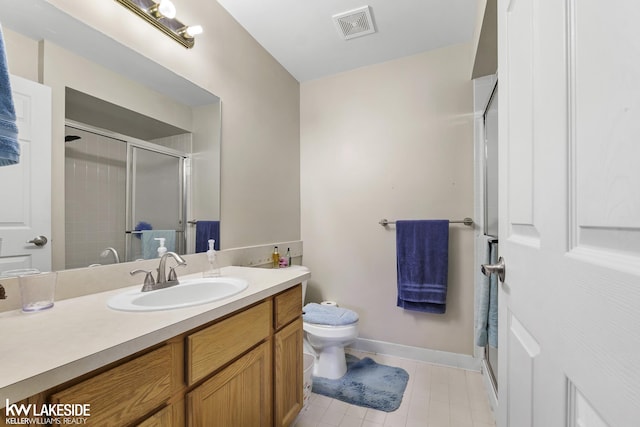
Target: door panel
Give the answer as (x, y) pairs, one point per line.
(604, 127)
(520, 97)
(523, 350)
(25, 193)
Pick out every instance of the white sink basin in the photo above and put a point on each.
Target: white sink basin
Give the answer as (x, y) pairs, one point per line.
(188, 293)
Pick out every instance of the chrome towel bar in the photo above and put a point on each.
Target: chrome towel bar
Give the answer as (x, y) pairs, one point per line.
(467, 221)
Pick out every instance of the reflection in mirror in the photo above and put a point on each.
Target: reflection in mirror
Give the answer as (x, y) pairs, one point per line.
(126, 184)
(137, 156)
(103, 101)
(101, 169)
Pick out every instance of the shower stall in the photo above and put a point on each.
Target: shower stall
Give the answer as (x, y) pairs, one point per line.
(117, 186)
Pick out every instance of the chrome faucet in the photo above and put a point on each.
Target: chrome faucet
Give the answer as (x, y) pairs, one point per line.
(105, 254)
(164, 280)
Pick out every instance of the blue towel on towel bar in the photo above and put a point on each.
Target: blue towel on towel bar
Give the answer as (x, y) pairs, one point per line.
(487, 300)
(422, 257)
(9, 145)
(492, 317)
(206, 230)
(328, 315)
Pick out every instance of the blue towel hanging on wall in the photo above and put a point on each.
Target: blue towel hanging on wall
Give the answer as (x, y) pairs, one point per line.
(9, 145)
(206, 230)
(422, 259)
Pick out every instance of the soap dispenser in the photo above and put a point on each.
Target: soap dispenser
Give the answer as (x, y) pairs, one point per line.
(213, 270)
(161, 249)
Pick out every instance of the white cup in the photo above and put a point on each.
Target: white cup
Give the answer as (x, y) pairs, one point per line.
(37, 291)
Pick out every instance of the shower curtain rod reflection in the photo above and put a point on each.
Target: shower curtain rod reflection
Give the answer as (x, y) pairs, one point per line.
(467, 221)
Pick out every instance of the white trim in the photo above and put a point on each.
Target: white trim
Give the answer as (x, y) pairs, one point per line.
(492, 393)
(455, 360)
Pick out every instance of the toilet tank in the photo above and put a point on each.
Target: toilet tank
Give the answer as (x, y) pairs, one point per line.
(302, 269)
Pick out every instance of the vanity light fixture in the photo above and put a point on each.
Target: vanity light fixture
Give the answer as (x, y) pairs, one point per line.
(162, 15)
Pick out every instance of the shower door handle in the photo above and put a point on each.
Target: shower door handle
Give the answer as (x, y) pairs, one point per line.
(498, 268)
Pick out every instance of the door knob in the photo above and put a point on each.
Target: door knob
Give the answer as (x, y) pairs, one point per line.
(498, 268)
(39, 241)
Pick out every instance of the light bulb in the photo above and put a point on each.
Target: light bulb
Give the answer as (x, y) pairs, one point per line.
(167, 9)
(194, 30)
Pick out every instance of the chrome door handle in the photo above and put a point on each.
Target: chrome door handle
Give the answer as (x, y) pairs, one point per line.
(499, 269)
(39, 241)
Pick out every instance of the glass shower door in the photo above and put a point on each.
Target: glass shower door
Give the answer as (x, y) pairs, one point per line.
(491, 213)
(156, 202)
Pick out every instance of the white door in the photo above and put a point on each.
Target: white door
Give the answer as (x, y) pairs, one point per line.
(569, 75)
(25, 188)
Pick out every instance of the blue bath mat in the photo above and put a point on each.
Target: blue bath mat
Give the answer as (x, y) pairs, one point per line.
(366, 384)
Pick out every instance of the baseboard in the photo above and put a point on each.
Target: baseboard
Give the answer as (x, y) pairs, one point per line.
(455, 360)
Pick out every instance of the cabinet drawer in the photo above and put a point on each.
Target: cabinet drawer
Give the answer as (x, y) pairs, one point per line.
(212, 347)
(129, 391)
(288, 306)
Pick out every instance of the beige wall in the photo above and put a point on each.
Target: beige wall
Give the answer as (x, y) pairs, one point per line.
(22, 55)
(393, 140)
(260, 110)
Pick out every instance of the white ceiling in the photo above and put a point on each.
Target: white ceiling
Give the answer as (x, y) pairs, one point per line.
(301, 35)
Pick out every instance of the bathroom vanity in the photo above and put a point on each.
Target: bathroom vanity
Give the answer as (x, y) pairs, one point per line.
(236, 362)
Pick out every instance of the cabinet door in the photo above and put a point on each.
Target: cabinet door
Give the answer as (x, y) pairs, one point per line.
(239, 395)
(288, 373)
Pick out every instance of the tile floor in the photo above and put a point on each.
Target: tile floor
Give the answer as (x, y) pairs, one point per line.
(436, 396)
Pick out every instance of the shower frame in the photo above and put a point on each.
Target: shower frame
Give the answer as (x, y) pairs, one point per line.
(489, 354)
(131, 144)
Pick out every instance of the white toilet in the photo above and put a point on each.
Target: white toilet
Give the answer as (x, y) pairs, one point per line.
(327, 342)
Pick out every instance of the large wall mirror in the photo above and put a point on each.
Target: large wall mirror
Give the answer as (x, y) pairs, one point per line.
(135, 147)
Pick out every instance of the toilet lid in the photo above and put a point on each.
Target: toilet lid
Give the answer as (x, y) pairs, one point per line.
(328, 315)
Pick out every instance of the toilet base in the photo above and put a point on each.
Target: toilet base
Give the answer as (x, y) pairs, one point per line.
(330, 363)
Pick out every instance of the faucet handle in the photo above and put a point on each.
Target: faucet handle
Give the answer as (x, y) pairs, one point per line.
(149, 282)
(173, 277)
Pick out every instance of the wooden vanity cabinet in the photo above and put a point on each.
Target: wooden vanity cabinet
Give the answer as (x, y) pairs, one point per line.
(288, 361)
(243, 370)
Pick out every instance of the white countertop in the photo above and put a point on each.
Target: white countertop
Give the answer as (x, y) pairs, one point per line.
(41, 350)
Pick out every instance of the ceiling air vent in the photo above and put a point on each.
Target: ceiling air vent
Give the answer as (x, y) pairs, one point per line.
(354, 23)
